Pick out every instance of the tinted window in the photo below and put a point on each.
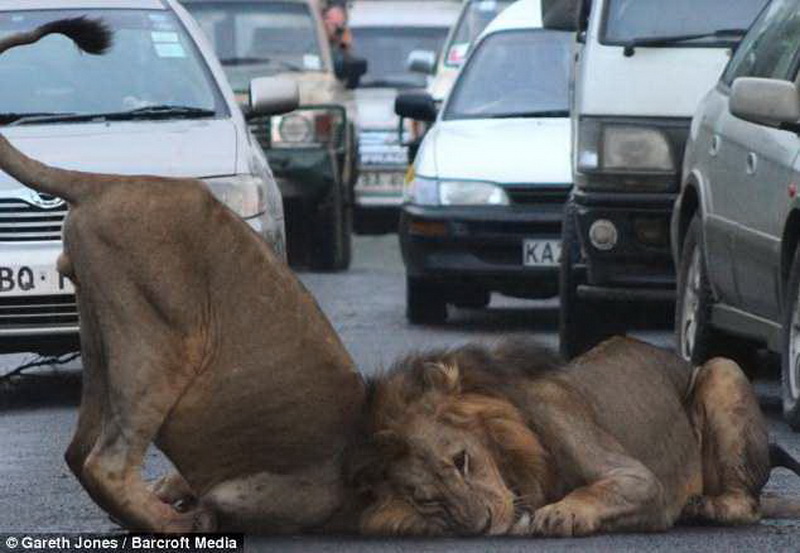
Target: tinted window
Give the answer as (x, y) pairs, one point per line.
(152, 62)
(629, 19)
(770, 49)
(475, 16)
(387, 48)
(515, 74)
(259, 38)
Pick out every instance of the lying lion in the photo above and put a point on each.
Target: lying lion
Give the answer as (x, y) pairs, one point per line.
(194, 335)
(506, 441)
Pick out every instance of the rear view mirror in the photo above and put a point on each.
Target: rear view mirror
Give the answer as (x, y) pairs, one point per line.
(273, 96)
(565, 15)
(769, 102)
(419, 106)
(422, 61)
(350, 69)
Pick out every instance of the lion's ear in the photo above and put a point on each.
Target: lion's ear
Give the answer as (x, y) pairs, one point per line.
(444, 377)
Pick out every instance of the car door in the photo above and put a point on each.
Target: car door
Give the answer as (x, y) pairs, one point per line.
(753, 168)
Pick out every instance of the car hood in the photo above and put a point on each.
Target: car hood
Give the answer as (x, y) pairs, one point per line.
(166, 148)
(499, 150)
(376, 108)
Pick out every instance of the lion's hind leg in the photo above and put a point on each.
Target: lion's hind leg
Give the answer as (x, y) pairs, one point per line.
(734, 443)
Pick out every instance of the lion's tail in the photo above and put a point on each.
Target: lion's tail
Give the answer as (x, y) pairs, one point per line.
(92, 37)
(773, 506)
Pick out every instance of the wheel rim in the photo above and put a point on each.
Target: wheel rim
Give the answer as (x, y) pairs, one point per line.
(794, 350)
(690, 307)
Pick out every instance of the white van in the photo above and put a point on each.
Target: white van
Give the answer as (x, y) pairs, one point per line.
(641, 69)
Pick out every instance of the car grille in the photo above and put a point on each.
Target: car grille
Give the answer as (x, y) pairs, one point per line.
(23, 222)
(31, 311)
(261, 129)
(537, 195)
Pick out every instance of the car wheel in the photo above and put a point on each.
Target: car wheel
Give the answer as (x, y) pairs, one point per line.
(425, 303)
(580, 325)
(790, 350)
(331, 235)
(695, 339)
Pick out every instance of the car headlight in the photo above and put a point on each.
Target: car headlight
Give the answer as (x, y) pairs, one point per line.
(307, 128)
(626, 151)
(427, 191)
(243, 194)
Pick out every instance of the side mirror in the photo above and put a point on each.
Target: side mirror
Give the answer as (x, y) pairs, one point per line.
(565, 15)
(769, 102)
(273, 96)
(349, 69)
(419, 106)
(422, 61)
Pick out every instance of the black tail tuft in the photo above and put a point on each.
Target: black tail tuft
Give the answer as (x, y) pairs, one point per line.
(779, 457)
(92, 36)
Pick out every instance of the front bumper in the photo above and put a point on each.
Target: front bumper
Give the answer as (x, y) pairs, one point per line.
(480, 246)
(639, 266)
(308, 174)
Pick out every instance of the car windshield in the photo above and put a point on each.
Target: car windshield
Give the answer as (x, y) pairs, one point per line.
(387, 48)
(515, 74)
(153, 63)
(628, 20)
(475, 16)
(255, 39)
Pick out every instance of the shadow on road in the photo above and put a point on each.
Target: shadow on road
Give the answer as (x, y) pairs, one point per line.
(35, 390)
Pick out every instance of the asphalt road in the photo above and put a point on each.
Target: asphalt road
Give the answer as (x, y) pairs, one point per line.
(365, 304)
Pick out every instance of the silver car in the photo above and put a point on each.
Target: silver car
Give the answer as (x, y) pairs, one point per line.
(736, 223)
(157, 103)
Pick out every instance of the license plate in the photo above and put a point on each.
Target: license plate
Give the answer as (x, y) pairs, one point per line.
(24, 280)
(541, 253)
(384, 181)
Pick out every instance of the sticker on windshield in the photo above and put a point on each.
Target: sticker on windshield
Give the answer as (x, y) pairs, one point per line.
(161, 22)
(487, 6)
(457, 53)
(161, 36)
(169, 50)
(312, 62)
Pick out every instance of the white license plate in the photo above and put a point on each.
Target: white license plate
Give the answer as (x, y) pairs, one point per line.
(384, 181)
(541, 253)
(25, 280)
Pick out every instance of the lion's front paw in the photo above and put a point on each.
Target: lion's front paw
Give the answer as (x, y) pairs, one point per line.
(565, 519)
(199, 520)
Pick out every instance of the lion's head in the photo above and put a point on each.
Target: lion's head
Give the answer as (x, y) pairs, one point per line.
(451, 453)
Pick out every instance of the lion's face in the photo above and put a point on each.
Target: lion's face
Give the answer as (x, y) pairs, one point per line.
(446, 480)
(444, 457)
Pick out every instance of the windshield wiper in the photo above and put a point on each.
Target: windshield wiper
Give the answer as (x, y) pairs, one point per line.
(147, 112)
(256, 60)
(532, 114)
(8, 118)
(729, 34)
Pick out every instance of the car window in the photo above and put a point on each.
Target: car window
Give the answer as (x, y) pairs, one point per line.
(514, 74)
(625, 20)
(474, 18)
(771, 47)
(153, 62)
(275, 36)
(387, 48)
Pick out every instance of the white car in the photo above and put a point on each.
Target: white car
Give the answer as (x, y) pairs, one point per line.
(386, 33)
(484, 200)
(156, 103)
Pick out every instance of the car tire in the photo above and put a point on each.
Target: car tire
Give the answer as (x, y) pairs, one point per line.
(580, 325)
(696, 340)
(790, 347)
(331, 234)
(425, 302)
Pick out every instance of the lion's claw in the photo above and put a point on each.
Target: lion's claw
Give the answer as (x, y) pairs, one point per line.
(565, 519)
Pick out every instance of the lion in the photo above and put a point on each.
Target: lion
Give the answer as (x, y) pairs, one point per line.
(196, 336)
(509, 441)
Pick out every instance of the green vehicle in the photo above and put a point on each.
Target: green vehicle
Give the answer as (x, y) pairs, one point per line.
(313, 151)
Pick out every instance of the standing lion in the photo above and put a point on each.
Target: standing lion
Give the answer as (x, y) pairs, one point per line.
(505, 440)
